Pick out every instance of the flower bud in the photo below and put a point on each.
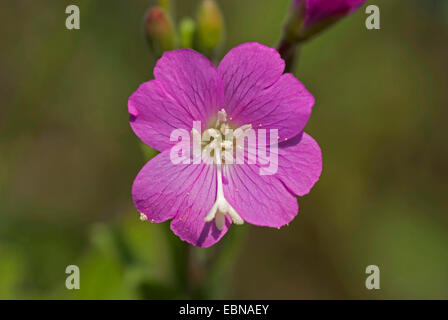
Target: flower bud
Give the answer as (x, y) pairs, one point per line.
(160, 31)
(309, 17)
(210, 26)
(187, 29)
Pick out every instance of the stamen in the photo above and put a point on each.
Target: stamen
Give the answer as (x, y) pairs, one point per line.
(227, 144)
(246, 127)
(224, 129)
(242, 130)
(222, 117)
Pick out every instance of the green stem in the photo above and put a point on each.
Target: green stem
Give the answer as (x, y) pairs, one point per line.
(290, 52)
(202, 273)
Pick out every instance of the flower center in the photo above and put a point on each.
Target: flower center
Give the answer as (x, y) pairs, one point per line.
(221, 147)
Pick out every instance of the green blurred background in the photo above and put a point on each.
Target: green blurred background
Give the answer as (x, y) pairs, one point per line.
(68, 158)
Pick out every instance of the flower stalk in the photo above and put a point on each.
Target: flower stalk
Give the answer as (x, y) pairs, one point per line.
(308, 18)
(289, 46)
(290, 52)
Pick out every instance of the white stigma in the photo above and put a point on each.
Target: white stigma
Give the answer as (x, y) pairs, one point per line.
(221, 207)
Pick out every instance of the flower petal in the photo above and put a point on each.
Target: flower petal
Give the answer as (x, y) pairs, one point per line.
(153, 116)
(246, 70)
(182, 192)
(192, 81)
(259, 200)
(257, 93)
(189, 224)
(285, 106)
(187, 88)
(299, 163)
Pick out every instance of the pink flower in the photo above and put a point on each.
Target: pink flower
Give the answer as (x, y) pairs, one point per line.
(247, 89)
(325, 11)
